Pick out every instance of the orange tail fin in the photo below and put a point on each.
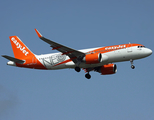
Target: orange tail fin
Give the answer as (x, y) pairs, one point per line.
(20, 50)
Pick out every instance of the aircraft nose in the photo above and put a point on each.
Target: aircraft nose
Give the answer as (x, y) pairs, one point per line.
(148, 52)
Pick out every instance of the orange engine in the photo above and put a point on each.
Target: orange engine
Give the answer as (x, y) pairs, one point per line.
(93, 58)
(108, 69)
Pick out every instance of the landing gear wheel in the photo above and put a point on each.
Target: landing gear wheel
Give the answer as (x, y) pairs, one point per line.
(132, 66)
(88, 76)
(77, 69)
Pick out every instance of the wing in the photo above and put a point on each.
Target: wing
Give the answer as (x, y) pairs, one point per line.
(72, 53)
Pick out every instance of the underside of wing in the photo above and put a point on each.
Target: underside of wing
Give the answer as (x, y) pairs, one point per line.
(72, 53)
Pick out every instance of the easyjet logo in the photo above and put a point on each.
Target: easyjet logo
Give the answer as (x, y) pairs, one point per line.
(21, 48)
(115, 47)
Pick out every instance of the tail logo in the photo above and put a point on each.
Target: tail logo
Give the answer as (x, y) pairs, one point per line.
(19, 46)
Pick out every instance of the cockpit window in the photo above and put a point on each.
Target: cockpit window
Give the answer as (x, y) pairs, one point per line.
(141, 46)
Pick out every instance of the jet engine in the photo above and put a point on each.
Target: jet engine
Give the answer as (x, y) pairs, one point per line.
(107, 69)
(94, 58)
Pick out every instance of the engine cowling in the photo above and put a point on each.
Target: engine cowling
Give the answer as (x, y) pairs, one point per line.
(93, 58)
(108, 69)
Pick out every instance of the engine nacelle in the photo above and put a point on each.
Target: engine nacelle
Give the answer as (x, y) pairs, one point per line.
(108, 69)
(93, 58)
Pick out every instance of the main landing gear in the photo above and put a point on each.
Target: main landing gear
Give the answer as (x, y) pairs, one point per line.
(88, 76)
(132, 66)
(78, 69)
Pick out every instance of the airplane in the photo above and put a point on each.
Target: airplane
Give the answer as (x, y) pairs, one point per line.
(100, 59)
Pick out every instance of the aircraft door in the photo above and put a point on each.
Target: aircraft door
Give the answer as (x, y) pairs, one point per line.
(129, 48)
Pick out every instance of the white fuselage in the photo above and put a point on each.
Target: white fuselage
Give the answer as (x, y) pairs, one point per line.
(59, 61)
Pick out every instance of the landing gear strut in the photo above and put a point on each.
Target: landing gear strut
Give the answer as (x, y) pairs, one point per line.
(132, 66)
(88, 76)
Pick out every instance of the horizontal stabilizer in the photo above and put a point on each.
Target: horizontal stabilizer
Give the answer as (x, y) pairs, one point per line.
(13, 59)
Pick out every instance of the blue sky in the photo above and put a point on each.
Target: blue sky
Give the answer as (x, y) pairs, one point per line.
(27, 94)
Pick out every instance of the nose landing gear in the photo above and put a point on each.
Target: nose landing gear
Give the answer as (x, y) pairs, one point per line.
(132, 66)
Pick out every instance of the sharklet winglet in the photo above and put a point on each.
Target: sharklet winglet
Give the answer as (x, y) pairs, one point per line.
(38, 33)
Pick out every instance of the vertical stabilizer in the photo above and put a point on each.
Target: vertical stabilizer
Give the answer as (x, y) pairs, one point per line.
(20, 50)
(23, 56)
